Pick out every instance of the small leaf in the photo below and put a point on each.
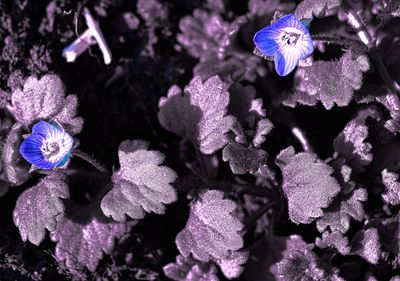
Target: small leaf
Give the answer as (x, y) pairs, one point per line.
(337, 216)
(391, 194)
(319, 8)
(140, 185)
(45, 99)
(233, 266)
(13, 171)
(189, 269)
(299, 262)
(307, 184)
(352, 145)
(211, 231)
(334, 239)
(329, 82)
(264, 126)
(37, 208)
(366, 244)
(83, 236)
(198, 114)
(242, 159)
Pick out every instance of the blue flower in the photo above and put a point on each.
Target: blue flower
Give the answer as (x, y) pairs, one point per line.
(287, 40)
(48, 146)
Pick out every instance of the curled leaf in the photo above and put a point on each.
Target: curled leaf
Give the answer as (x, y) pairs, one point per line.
(14, 172)
(140, 185)
(211, 232)
(307, 184)
(37, 208)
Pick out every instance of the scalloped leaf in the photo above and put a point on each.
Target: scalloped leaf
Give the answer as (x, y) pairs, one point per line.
(37, 208)
(189, 269)
(84, 236)
(211, 232)
(45, 99)
(307, 184)
(331, 82)
(319, 8)
(199, 114)
(141, 185)
(13, 171)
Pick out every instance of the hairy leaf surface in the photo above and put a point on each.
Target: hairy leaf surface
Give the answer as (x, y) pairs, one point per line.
(37, 208)
(140, 185)
(307, 184)
(211, 231)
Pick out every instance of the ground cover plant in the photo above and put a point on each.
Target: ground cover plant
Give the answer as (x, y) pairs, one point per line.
(199, 140)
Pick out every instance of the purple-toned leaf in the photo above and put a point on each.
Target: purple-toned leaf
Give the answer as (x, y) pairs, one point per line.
(13, 171)
(299, 262)
(391, 195)
(242, 66)
(244, 105)
(352, 145)
(331, 82)
(319, 8)
(334, 239)
(203, 33)
(140, 185)
(199, 114)
(45, 99)
(83, 238)
(37, 208)
(233, 266)
(337, 216)
(243, 159)
(211, 232)
(262, 8)
(189, 269)
(366, 244)
(264, 126)
(307, 184)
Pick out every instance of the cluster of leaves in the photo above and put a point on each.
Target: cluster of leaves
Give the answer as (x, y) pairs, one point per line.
(258, 207)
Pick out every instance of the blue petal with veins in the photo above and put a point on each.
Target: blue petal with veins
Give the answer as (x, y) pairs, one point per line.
(287, 40)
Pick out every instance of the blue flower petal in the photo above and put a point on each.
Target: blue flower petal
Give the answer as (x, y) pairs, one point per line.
(265, 40)
(285, 62)
(30, 150)
(35, 147)
(45, 129)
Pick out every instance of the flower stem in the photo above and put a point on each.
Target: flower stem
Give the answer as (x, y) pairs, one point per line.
(338, 41)
(253, 218)
(90, 160)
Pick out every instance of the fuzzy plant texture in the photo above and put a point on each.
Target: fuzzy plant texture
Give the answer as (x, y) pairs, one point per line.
(206, 140)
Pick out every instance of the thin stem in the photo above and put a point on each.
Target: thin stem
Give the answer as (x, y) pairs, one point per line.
(253, 218)
(90, 160)
(76, 172)
(391, 101)
(338, 41)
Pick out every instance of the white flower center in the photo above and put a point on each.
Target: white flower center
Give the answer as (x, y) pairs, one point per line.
(289, 37)
(54, 149)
